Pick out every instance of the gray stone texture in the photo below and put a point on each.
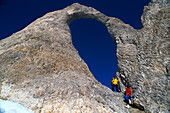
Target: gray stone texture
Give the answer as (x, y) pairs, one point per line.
(41, 69)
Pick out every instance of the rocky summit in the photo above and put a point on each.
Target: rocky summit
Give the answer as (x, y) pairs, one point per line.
(41, 69)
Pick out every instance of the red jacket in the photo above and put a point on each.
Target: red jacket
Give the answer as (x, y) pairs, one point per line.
(128, 92)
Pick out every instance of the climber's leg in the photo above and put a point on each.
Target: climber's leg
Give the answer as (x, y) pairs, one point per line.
(127, 101)
(112, 87)
(118, 88)
(115, 88)
(127, 97)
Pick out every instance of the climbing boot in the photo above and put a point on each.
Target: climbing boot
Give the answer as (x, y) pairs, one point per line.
(127, 106)
(130, 102)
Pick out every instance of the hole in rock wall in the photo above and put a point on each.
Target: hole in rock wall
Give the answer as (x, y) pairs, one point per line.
(96, 47)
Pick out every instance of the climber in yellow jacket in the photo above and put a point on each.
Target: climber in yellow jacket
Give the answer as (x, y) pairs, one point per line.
(115, 84)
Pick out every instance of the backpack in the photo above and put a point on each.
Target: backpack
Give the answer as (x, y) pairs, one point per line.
(114, 81)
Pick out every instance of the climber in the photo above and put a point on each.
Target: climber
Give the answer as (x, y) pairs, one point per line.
(127, 96)
(115, 84)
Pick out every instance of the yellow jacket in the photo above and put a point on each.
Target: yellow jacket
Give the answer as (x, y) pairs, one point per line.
(115, 81)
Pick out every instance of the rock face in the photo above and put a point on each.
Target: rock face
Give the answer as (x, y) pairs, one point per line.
(41, 69)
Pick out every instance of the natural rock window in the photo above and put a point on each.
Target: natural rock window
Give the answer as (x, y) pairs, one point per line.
(96, 48)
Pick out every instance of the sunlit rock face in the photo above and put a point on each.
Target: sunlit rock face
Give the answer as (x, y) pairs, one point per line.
(148, 72)
(150, 83)
(41, 69)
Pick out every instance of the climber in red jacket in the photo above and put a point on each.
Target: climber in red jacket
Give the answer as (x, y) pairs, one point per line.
(128, 96)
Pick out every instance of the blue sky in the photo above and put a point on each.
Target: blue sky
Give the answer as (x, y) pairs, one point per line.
(90, 37)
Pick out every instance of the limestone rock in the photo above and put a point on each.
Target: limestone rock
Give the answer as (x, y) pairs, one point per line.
(41, 69)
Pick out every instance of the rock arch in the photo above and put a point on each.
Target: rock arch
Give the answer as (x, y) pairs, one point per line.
(44, 49)
(123, 35)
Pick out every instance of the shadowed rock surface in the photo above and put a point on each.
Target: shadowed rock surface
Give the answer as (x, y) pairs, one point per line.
(41, 69)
